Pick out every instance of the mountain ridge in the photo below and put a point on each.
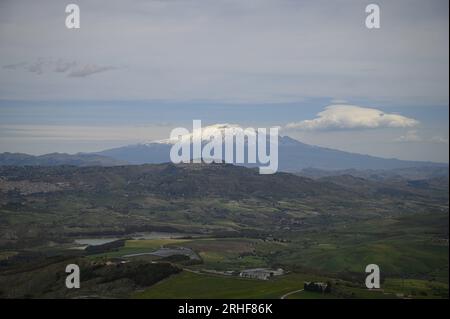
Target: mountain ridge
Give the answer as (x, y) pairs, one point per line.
(293, 157)
(55, 159)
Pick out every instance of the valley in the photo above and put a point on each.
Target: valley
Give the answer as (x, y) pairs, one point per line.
(205, 224)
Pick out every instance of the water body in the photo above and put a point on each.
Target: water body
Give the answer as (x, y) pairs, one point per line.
(161, 235)
(146, 235)
(166, 252)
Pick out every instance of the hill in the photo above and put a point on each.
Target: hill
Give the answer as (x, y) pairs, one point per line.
(53, 159)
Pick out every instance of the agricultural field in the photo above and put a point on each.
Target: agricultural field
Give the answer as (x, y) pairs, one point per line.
(116, 221)
(192, 285)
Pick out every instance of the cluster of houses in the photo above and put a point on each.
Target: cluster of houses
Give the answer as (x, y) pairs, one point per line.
(261, 273)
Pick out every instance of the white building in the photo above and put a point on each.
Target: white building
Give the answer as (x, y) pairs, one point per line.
(261, 273)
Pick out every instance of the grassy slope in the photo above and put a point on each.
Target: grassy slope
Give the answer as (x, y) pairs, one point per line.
(190, 285)
(141, 246)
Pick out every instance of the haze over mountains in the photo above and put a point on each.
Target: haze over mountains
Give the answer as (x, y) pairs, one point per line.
(294, 156)
(54, 159)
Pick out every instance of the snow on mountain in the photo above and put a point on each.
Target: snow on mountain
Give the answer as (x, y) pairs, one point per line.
(293, 154)
(205, 133)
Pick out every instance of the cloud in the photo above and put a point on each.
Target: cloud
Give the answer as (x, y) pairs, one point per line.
(410, 136)
(338, 101)
(230, 50)
(72, 68)
(125, 133)
(439, 139)
(62, 66)
(14, 66)
(37, 66)
(89, 69)
(342, 116)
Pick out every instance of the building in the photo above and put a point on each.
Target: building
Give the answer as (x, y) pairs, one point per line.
(261, 273)
(317, 287)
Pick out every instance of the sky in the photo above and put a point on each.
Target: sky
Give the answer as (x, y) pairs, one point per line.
(137, 69)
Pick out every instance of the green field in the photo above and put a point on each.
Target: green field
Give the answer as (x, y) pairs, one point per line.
(189, 285)
(141, 246)
(233, 219)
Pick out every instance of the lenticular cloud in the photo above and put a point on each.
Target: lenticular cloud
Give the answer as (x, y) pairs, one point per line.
(353, 117)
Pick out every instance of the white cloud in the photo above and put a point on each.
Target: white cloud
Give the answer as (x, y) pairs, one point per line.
(410, 136)
(344, 116)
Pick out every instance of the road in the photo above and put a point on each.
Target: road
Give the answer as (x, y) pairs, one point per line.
(290, 293)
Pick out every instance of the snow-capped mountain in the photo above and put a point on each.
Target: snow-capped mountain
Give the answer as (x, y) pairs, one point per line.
(293, 154)
(204, 134)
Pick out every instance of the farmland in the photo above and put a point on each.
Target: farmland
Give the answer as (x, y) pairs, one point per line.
(206, 236)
